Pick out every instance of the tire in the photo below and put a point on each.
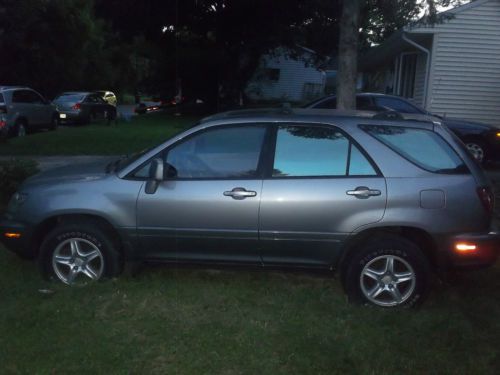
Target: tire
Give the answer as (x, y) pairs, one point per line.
(21, 129)
(370, 279)
(54, 124)
(478, 149)
(77, 253)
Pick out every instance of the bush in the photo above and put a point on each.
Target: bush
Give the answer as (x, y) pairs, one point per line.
(12, 173)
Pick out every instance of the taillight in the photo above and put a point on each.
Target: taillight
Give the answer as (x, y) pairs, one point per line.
(487, 198)
(77, 106)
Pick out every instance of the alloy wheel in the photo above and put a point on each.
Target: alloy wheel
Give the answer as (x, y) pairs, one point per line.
(387, 280)
(76, 260)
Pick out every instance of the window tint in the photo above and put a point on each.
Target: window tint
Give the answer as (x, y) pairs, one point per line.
(422, 147)
(20, 96)
(2, 100)
(326, 104)
(359, 165)
(316, 151)
(394, 104)
(34, 97)
(364, 103)
(219, 153)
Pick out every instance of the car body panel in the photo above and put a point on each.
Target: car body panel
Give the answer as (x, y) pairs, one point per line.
(297, 221)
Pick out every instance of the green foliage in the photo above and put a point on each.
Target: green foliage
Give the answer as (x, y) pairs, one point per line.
(58, 45)
(12, 173)
(171, 320)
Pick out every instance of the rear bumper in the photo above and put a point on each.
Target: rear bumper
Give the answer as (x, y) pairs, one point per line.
(20, 245)
(477, 249)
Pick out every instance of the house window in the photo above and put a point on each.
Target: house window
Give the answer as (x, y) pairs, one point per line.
(271, 74)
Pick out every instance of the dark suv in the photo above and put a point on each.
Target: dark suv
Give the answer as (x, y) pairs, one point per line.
(482, 140)
(23, 109)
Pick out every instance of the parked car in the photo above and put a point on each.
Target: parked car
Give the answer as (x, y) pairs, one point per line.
(482, 140)
(385, 203)
(23, 109)
(108, 96)
(83, 107)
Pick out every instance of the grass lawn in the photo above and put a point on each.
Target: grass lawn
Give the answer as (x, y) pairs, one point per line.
(189, 321)
(100, 139)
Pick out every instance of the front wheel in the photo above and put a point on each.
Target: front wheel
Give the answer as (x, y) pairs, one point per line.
(388, 272)
(78, 253)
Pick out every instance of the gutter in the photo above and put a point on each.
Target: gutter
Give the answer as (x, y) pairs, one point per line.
(427, 67)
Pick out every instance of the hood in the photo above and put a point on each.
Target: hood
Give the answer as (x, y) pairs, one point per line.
(70, 173)
(466, 124)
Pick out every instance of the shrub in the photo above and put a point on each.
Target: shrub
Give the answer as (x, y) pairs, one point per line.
(12, 173)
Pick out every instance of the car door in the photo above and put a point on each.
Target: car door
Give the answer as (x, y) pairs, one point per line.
(42, 110)
(321, 187)
(209, 212)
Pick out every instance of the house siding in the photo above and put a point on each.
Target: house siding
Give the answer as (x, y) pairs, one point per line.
(418, 92)
(293, 78)
(465, 78)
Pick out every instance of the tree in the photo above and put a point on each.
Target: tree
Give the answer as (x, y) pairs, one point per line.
(348, 55)
(379, 19)
(58, 45)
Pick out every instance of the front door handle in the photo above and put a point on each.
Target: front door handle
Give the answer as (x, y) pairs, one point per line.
(240, 193)
(362, 192)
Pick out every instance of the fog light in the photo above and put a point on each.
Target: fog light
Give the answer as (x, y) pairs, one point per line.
(12, 235)
(463, 247)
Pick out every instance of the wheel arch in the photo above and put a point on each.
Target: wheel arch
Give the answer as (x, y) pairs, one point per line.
(418, 236)
(48, 224)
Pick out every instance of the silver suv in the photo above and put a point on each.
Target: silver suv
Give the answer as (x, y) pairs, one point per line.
(23, 109)
(383, 202)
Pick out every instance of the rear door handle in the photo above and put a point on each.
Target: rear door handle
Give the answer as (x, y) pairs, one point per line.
(240, 193)
(362, 192)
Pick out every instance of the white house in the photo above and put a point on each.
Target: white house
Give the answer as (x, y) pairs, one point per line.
(287, 76)
(450, 68)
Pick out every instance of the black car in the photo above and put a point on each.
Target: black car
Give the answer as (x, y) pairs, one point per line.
(482, 140)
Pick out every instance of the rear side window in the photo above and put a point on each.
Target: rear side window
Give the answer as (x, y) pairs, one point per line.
(422, 147)
(2, 100)
(313, 151)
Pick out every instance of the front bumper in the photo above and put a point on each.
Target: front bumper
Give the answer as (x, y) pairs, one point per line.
(478, 249)
(20, 245)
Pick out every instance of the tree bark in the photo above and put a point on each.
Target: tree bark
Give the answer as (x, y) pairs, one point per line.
(348, 55)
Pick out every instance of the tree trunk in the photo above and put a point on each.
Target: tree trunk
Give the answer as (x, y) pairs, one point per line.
(348, 55)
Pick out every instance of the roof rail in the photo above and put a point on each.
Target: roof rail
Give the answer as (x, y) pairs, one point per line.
(388, 115)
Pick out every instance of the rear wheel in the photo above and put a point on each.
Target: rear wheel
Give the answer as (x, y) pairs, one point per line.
(21, 129)
(78, 253)
(388, 272)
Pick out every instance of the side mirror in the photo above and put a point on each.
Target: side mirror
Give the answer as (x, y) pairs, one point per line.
(158, 172)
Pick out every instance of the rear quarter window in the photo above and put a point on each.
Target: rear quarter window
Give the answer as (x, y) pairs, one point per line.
(423, 148)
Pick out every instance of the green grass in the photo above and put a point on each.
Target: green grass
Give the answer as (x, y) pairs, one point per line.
(99, 139)
(172, 320)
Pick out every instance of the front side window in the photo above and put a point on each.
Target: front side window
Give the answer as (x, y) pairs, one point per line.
(20, 96)
(226, 152)
(316, 151)
(422, 147)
